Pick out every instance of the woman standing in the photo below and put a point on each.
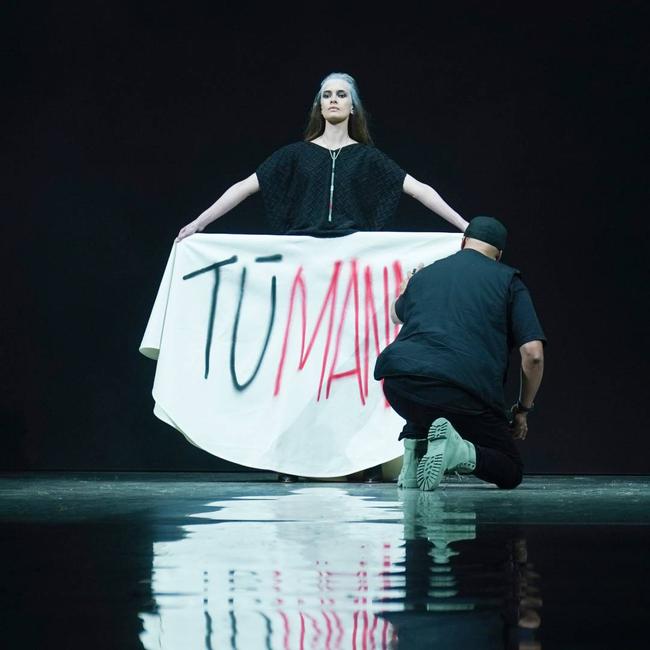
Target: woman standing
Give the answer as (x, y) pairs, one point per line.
(333, 183)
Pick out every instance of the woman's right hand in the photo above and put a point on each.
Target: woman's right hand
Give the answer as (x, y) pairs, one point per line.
(233, 196)
(188, 230)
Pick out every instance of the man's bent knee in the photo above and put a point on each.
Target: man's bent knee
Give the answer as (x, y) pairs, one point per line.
(511, 482)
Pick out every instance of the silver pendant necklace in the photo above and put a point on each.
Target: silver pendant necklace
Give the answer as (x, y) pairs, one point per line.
(333, 155)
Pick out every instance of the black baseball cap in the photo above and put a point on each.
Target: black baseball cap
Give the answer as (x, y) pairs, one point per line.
(489, 230)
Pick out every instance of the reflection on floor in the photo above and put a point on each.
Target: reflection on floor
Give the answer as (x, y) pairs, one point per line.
(211, 561)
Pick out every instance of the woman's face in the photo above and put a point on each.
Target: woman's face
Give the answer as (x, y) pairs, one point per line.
(336, 100)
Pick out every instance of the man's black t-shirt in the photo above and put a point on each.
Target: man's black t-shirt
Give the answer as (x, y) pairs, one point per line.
(462, 315)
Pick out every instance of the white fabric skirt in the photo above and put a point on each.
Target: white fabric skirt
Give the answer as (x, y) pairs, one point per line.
(265, 346)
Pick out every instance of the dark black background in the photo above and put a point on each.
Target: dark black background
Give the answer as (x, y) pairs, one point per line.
(126, 120)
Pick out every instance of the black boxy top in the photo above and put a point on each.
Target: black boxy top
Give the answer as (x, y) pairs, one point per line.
(295, 185)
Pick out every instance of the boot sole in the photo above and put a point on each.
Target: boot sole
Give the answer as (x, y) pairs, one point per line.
(431, 468)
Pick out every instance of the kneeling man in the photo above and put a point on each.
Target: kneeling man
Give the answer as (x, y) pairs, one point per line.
(444, 373)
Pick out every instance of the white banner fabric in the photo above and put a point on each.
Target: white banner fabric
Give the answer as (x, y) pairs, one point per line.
(265, 346)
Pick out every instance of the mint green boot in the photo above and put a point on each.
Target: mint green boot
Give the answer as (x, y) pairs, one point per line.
(413, 452)
(462, 458)
(446, 451)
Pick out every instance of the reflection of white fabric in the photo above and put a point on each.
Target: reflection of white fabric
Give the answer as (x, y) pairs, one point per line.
(279, 421)
(303, 570)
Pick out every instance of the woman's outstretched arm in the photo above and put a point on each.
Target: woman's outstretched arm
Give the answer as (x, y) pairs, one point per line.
(429, 198)
(233, 196)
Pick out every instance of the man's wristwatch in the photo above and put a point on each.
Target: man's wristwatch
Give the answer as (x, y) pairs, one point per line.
(520, 408)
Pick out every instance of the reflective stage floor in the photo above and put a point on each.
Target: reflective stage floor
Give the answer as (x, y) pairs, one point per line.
(209, 561)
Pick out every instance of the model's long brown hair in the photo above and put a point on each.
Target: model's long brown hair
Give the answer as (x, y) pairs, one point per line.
(357, 122)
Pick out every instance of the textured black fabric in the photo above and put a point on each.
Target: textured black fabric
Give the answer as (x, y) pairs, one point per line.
(461, 315)
(433, 392)
(295, 186)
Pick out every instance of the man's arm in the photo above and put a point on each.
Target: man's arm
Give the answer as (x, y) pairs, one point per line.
(393, 314)
(532, 369)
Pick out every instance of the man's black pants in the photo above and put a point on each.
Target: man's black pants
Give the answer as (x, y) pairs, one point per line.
(497, 457)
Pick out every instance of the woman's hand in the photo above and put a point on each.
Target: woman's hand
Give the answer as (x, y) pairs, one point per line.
(188, 230)
(233, 196)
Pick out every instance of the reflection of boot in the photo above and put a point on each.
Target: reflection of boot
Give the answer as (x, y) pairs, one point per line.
(409, 501)
(529, 619)
(444, 526)
(445, 534)
(413, 452)
(446, 451)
